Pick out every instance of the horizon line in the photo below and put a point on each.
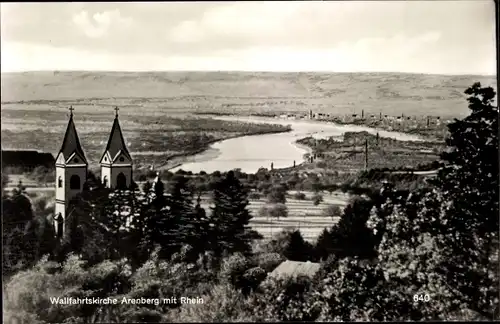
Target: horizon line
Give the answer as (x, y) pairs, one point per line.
(244, 71)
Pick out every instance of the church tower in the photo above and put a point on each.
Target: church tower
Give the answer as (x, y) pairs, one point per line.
(116, 162)
(71, 174)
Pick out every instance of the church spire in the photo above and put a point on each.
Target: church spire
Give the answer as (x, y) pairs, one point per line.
(116, 162)
(71, 143)
(116, 142)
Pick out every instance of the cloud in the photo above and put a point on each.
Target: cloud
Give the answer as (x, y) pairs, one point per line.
(456, 36)
(400, 53)
(99, 24)
(247, 21)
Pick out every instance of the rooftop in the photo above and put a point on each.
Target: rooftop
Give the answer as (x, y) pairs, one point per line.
(295, 268)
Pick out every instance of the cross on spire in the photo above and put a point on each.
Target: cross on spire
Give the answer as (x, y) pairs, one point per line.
(71, 110)
(116, 109)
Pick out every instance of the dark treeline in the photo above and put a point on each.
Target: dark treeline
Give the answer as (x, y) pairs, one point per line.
(429, 253)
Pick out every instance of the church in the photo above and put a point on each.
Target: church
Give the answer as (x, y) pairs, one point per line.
(72, 166)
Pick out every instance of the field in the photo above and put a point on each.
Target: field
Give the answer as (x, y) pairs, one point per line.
(302, 214)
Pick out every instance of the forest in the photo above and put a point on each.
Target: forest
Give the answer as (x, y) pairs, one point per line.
(398, 253)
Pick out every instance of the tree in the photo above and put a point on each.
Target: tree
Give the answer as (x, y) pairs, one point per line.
(278, 210)
(230, 217)
(180, 212)
(469, 184)
(317, 199)
(332, 211)
(277, 194)
(300, 196)
(324, 245)
(350, 235)
(436, 242)
(201, 228)
(297, 248)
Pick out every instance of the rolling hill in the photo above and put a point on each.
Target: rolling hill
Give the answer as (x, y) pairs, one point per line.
(341, 93)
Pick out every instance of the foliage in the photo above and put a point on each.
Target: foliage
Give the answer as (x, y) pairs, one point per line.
(284, 300)
(317, 199)
(332, 211)
(277, 195)
(268, 261)
(299, 196)
(27, 294)
(223, 303)
(274, 210)
(230, 217)
(433, 242)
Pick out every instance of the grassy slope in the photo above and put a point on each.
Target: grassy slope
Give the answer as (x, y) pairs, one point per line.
(391, 93)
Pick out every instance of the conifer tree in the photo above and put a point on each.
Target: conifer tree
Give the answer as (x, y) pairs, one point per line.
(230, 217)
(201, 228)
(180, 211)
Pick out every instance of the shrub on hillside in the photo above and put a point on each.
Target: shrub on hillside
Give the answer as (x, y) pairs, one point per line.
(223, 303)
(299, 196)
(277, 194)
(287, 299)
(317, 199)
(233, 268)
(254, 195)
(276, 211)
(332, 211)
(268, 260)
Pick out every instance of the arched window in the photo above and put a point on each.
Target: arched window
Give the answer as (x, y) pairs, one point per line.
(59, 225)
(59, 182)
(74, 182)
(105, 181)
(121, 181)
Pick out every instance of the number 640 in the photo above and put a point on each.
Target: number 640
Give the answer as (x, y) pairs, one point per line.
(418, 298)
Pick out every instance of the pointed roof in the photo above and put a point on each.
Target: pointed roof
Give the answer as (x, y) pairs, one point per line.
(71, 142)
(116, 142)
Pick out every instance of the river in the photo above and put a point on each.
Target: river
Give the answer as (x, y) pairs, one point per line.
(249, 153)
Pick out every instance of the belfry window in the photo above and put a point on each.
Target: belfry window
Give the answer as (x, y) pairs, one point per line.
(59, 182)
(74, 182)
(121, 181)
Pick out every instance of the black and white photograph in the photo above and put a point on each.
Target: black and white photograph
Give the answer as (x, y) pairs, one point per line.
(249, 161)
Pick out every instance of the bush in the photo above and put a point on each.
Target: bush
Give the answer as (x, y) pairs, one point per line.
(276, 211)
(332, 211)
(284, 300)
(223, 303)
(254, 195)
(277, 195)
(299, 196)
(253, 277)
(233, 269)
(317, 199)
(268, 260)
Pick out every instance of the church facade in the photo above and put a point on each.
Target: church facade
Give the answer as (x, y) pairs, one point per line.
(72, 167)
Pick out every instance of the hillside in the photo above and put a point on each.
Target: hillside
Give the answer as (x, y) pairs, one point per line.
(341, 93)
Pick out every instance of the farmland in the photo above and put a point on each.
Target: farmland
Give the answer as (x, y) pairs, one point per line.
(310, 219)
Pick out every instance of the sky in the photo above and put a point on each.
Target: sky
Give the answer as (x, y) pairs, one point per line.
(436, 37)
